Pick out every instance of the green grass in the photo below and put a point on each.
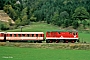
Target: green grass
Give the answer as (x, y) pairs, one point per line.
(15, 53)
(37, 26)
(84, 37)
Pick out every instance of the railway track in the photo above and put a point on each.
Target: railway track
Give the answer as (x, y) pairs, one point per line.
(77, 46)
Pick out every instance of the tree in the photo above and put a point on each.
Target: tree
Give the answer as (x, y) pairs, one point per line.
(84, 22)
(10, 11)
(64, 15)
(18, 22)
(55, 18)
(4, 26)
(75, 24)
(80, 13)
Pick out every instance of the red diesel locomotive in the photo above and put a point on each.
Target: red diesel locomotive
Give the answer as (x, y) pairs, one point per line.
(61, 36)
(51, 36)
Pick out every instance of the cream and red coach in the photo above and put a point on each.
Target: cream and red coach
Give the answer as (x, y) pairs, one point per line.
(23, 36)
(61, 36)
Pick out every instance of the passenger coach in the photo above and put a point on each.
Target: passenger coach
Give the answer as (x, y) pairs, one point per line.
(23, 36)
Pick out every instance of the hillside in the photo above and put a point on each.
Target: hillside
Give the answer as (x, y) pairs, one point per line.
(63, 13)
(37, 26)
(4, 17)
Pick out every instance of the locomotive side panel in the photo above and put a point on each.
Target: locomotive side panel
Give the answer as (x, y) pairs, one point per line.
(61, 36)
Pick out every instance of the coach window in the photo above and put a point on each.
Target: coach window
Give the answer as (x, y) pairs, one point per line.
(7, 35)
(36, 35)
(14, 35)
(41, 35)
(32, 35)
(23, 35)
(19, 35)
(27, 35)
(10, 35)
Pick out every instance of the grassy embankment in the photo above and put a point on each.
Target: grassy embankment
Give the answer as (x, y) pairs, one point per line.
(15, 53)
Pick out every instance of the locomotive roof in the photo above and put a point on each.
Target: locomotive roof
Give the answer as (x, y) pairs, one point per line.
(62, 31)
(25, 32)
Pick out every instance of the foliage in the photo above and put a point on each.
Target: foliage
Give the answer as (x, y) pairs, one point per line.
(57, 12)
(9, 10)
(18, 22)
(4, 26)
(75, 24)
(64, 15)
(81, 13)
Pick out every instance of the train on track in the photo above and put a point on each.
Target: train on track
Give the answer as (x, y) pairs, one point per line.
(39, 37)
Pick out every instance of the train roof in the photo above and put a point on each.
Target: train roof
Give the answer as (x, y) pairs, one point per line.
(25, 32)
(62, 31)
(2, 32)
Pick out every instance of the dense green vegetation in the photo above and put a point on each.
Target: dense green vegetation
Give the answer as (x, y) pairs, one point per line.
(63, 13)
(14, 53)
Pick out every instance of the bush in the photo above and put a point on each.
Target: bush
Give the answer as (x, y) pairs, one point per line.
(75, 24)
(4, 26)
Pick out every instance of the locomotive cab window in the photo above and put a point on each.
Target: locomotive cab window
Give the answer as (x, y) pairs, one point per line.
(58, 32)
(49, 33)
(76, 33)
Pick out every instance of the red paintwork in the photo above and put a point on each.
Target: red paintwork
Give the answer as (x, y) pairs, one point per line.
(1, 36)
(61, 34)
